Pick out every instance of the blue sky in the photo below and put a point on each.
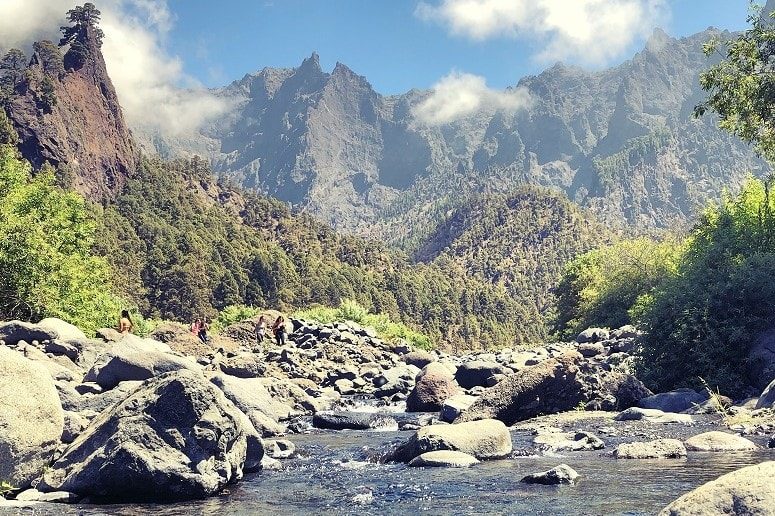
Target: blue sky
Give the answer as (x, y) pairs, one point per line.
(384, 40)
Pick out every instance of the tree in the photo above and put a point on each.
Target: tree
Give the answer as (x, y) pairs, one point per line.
(84, 18)
(49, 57)
(741, 87)
(12, 68)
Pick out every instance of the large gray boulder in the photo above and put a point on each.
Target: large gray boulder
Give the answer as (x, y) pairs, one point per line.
(249, 394)
(14, 331)
(678, 400)
(63, 330)
(562, 474)
(31, 419)
(476, 373)
(554, 385)
(747, 491)
(175, 438)
(130, 360)
(486, 439)
(340, 420)
(656, 449)
(767, 398)
(434, 385)
(718, 442)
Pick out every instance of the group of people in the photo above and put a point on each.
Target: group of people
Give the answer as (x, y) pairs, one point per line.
(279, 330)
(200, 328)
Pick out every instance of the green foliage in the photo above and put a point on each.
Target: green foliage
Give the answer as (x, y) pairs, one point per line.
(50, 58)
(47, 94)
(185, 247)
(600, 287)
(12, 68)
(233, 314)
(8, 135)
(83, 18)
(702, 321)
(741, 87)
(46, 268)
(6, 488)
(350, 310)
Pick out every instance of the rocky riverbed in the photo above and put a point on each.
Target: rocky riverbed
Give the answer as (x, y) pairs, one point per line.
(338, 420)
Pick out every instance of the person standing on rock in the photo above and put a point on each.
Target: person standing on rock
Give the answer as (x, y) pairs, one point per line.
(279, 330)
(125, 323)
(261, 330)
(202, 333)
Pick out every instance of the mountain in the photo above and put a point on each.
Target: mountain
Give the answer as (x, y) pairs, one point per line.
(622, 142)
(66, 112)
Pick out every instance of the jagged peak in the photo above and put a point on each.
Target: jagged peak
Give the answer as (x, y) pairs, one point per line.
(312, 63)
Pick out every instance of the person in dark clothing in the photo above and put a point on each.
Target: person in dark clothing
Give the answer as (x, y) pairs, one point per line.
(279, 331)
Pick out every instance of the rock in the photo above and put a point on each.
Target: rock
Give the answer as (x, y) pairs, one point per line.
(89, 388)
(674, 401)
(399, 379)
(443, 459)
(434, 385)
(771, 442)
(33, 495)
(64, 331)
(767, 398)
(352, 421)
(419, 358)
(574, 441)
(653, 415)
(279, 448)
(591, 349)
(175, 438)
(657, 449)
(249, 394)
(476, 373)
(747, 491)
(344, 386)
(109, 335)
(486, 439)
(562, 474)
(74, 425)
(270, 464)
(265, 425)
(180, 339)
(14, 331)
(120, 365)
(246, 365)
(718, 441)
(31, 419)
(454, 406)
(592, 335)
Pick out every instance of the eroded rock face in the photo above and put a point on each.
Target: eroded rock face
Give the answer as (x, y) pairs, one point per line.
(175, 438)
(749, 490)
(31, 421)
(486, 439)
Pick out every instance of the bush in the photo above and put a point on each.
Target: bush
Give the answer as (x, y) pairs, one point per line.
(351, 311)
(233, 314)
(46, 267)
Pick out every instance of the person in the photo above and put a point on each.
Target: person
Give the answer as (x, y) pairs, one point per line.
(202, 334)
(196, 326)
(260, 330)
(125, 323)
(279, 331)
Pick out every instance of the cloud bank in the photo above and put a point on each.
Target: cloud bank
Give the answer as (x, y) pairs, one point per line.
(153, 89)
(587, 31)
(459, 95)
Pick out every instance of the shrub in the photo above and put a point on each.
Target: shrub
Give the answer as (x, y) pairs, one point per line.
(233, 314)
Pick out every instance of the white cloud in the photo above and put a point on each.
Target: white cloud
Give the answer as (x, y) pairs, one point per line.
(153, 89)
(589, 31)
(459, 95)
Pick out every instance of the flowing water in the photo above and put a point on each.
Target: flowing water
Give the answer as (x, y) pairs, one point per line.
(335, 473)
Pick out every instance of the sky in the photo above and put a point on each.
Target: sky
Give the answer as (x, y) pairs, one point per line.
(162, 55)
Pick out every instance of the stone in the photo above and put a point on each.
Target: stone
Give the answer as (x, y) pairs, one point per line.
(657, 449)
(574, 441)
(591, 349)
(746, 491)
(64, 331)
(419, 358)
(109, 334)
(33, 495)
(592, 335)
(454, 406)
(270, 464)
(678, 400)
(249, 394)
(279, 448)
(120, 365)
(485, 439)
(89, 388)
(653, 415)
(175, 438)
(31, 421)
(344, 386)
(73, 426)
(14, 331)
(562, 474)
(434, 385)
(767, 398)
(352, 421)
(475, 373)
(443, 459)
(718, 441)
(246, 365)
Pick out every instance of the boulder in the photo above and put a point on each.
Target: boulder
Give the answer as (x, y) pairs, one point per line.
(31, 419)
(119, 365)
(486, 439)
(678, 400)
(279, 448)
(419, 358)
(653, 415)
(767, 398)
(352, 421)
(175, 438)
(475, 373)
(33, 495)
(718, 441)
(747, 491)
(443, 459)
(180, 339)
(454, 406)
(434, 385)
(63, 330)
(249, 394)
(14, 331)
(657, 449)
(592, 335)
(591, 349)
(74, 425)
(562, 474)
(245, 365)
(573, 441)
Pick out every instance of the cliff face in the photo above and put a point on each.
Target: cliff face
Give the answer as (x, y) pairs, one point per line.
(68, 114)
